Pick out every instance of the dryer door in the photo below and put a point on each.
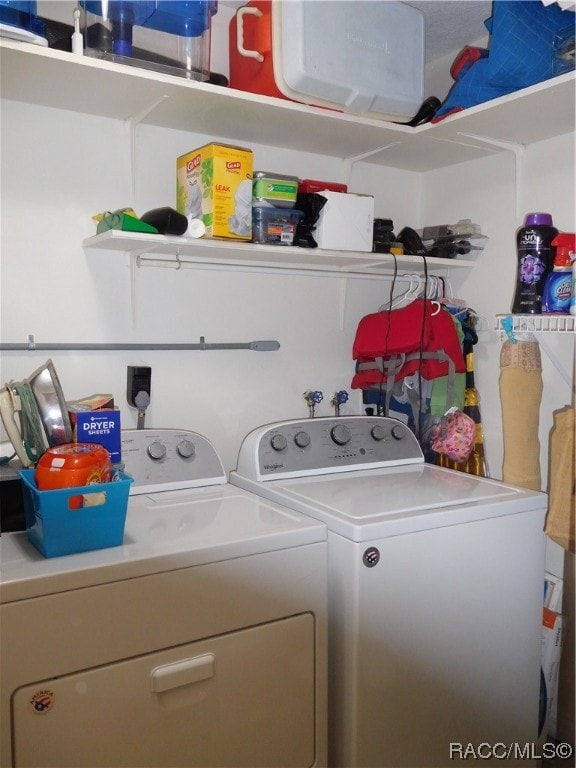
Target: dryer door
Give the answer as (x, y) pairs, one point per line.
(241, 699)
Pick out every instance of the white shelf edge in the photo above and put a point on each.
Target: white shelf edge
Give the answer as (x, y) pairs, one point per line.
(230, 253)
(549, 323)
(124, 92)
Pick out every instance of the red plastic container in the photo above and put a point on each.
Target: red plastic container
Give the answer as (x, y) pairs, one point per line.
(312, 185)
(254, 74)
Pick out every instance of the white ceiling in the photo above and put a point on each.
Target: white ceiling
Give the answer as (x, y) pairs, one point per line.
(452, 24)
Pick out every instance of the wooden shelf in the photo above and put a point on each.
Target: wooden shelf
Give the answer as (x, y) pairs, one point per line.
(59, 79)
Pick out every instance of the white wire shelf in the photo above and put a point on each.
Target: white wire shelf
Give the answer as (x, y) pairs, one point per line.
(536, 323)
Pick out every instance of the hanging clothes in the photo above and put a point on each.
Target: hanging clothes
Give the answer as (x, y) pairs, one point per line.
(400, 351)
(476, 462)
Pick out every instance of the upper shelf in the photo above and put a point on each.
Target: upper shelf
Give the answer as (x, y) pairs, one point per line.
(48, 77)
(181, 250)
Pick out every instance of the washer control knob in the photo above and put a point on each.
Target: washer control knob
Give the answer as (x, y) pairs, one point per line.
(186, 449)
(278, 442)
(340, 434)
(398, 432)
(157, 450)
(378, 432)
(302, 439)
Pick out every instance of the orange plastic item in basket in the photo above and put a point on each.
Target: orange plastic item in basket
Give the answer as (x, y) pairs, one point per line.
(71, 464)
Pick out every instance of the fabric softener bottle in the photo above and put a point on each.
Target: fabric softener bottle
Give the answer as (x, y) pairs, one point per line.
(558, 288)
(535, 262)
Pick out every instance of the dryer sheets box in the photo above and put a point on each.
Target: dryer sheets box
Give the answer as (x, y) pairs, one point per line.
(346, 222)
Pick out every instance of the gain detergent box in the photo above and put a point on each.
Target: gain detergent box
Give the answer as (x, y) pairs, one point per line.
(214, 184)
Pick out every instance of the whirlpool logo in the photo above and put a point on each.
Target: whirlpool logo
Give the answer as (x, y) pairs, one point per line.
(272, 467)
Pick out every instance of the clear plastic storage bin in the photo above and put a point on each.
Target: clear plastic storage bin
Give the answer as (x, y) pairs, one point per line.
(170, 36)
(274, 226)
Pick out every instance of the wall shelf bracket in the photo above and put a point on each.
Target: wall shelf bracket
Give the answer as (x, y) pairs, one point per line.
(519, 151)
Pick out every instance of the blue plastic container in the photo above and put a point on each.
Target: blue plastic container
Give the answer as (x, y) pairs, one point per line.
(56, 527)
(164, 35)
(21, 15)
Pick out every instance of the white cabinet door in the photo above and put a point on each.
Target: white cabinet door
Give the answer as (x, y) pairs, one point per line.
(240, 699)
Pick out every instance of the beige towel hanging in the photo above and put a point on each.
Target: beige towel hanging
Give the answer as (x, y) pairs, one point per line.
(560, 518)
(521, 395)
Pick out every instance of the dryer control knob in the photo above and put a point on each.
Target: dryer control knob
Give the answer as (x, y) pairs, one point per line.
(378, 432)
(278, 442)
(186, 449)
(340, 434)
(398, 432)
(302, 439)
(157, 450)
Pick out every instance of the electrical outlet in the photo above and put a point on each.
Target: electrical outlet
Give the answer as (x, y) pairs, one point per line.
(138, 380)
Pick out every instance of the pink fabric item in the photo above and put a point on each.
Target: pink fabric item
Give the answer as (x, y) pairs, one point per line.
(454, 436)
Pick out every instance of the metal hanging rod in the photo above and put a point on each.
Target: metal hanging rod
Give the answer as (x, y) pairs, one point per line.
(255, 346)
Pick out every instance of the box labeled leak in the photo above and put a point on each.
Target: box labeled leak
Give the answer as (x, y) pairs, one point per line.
(214, 184)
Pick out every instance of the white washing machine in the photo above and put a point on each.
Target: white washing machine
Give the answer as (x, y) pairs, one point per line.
(435, 590)
(198, 642)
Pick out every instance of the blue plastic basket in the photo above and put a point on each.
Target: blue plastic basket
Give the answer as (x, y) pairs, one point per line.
(57, 526)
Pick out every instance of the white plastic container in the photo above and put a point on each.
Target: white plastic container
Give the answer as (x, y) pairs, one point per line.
(358, 56)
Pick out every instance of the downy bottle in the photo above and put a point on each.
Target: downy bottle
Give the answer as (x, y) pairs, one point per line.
(535, 262)
(558, 288)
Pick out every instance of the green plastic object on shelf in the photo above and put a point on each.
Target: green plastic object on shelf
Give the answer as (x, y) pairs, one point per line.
(125, 221)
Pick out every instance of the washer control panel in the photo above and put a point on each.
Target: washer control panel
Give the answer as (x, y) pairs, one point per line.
(169, 459)
(324, 445)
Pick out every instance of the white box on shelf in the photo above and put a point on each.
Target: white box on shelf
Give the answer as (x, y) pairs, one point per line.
(346, 222)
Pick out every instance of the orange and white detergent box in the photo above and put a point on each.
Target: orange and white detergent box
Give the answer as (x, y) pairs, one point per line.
(214, 184)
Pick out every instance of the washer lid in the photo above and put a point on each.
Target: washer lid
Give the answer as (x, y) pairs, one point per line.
(392, 501)
(164, 531)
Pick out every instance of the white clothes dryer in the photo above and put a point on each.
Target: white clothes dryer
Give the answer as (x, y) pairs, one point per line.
(198, 642)
(435, 583)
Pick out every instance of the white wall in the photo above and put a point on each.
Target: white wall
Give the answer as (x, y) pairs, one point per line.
(486, 191)
(59, 169)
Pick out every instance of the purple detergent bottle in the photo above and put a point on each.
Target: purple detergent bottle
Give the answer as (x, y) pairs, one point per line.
(535, 262)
